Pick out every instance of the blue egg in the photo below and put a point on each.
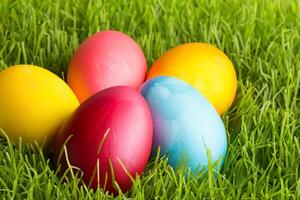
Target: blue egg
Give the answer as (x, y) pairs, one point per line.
(186, 126)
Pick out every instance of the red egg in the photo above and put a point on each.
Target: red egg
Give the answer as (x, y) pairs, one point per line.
(113, 126)
(103, 60)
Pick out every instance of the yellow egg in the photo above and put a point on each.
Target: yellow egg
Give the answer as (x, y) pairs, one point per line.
(33, 104)
(203, 66)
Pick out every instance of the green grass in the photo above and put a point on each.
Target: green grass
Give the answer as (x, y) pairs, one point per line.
(261, 37)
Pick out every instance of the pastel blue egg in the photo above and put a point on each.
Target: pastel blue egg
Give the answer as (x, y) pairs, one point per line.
(186, 126)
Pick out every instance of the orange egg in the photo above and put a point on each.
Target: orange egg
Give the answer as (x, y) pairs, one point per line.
(204, 67)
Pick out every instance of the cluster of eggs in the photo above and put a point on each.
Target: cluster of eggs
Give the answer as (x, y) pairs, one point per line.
(106, 120)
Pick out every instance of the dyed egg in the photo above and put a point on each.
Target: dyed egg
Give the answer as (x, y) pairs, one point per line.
(34, 103)
(203, 66)
(186, 126)
(103, 60)
(110, 130)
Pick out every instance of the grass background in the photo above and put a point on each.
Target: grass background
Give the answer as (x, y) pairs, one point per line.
(262, 39)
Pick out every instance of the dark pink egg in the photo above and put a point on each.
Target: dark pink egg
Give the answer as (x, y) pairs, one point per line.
(103, 60)
(110, 134)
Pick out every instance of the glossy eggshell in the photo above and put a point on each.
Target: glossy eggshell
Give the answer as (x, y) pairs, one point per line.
(103, 60)
(204, 67)
(186, 125)
(125, 113)
(34, 103)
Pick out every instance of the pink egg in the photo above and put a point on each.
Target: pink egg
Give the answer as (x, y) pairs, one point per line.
(109, 138)
(103, 60)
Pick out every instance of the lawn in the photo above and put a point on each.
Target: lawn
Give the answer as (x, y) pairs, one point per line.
(262, 38)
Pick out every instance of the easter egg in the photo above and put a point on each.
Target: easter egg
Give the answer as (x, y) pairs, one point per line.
(109, 137)
(204, 67)
(103, 60)
(34, 103)
(186, 126)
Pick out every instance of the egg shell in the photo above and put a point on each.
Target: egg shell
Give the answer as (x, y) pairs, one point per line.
(203, 66)
(186, 126)
(34, 103)
(124, 113)
(106, 59)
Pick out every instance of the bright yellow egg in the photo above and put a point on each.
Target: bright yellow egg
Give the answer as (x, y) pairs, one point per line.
(203, 66)
(33, 104)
